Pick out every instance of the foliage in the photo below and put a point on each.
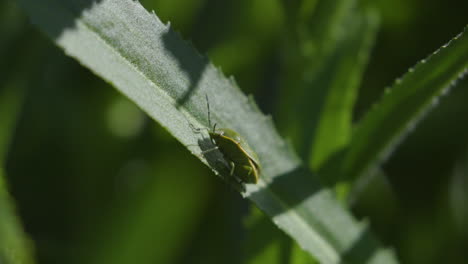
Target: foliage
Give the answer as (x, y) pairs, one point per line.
(119, 185)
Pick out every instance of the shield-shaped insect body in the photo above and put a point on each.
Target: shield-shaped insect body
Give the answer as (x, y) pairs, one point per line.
(243, 161)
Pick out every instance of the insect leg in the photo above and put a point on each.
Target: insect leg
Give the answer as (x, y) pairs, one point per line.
(196, 129)
(209, 150)
(250, 170)
(233, 166)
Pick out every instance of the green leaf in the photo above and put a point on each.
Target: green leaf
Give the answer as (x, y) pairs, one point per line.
(314, 54)
(321, 27)
(15, 247)
(10, 101)
(143, 58)
(404, 105)
(340, 77)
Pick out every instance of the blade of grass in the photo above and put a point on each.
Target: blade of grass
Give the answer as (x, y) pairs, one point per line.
(10, 100)
(143, 58)
(15, 247)
(322, 27)
(404, 105)
(341, 77)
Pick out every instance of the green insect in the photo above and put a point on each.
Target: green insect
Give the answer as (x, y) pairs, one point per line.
(243, 161)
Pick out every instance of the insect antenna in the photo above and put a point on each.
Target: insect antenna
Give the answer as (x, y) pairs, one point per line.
(209, 113)
(208, 107)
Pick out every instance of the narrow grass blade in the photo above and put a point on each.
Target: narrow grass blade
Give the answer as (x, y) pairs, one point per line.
(143, 58)
(322, 26)
(10, 101)
(404, 105)
(314, 52)
(15, 247)
(341, 77)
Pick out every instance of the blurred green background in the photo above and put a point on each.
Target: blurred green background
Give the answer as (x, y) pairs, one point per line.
(91, 175)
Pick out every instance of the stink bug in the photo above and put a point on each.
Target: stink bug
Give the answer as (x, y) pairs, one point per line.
(243, 161)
